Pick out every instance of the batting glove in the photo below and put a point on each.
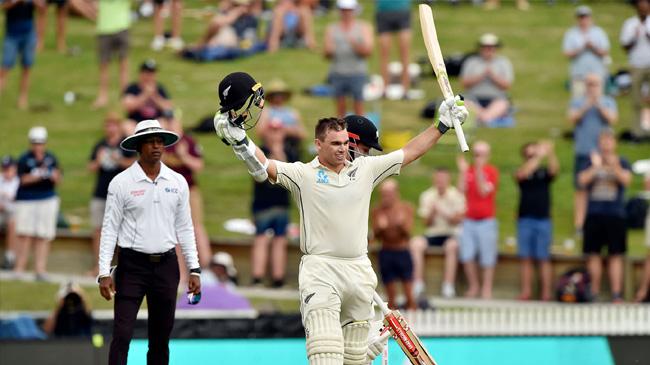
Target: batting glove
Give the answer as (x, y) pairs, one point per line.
(452, 109)
(229, 134)
(376, 345)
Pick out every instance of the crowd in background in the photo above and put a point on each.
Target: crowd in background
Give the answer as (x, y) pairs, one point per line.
(460, 218)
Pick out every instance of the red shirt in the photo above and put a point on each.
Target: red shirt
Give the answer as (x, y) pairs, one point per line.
(174, 162)
(481, 207)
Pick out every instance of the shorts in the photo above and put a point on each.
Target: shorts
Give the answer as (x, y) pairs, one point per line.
(273, 219)
(393, 21)
(97, 207)
(581, 163)
(344, 285)
(534, 238)
(5, 217)
(395, 265)
(601, 231)
(351, 85)
(436, 241)
(19, 44)
(37, 218)
(479, 237)
(109, 45)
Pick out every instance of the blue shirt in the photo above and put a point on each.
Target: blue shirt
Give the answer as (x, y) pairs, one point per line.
(588, 128)
(19, 19)
(587, 61)
(606, 193)
(28, 164)
(393, 5)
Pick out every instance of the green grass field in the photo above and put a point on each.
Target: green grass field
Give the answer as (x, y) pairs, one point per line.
(531, 39)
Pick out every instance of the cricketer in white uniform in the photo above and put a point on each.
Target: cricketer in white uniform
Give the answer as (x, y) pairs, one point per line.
(336, 280)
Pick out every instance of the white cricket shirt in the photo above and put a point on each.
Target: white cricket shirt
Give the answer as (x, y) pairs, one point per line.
(147, 216)
(334, 207)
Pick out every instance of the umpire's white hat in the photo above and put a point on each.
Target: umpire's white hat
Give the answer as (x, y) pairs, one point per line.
(144, 129)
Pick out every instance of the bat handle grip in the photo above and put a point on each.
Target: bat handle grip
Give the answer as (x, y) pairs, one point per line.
(461, 136)
(380, 302)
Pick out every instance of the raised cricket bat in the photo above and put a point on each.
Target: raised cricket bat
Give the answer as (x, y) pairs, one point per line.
(435, 57)
(401, 332)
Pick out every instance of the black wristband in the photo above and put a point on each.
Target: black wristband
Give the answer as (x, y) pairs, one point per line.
(195, 271)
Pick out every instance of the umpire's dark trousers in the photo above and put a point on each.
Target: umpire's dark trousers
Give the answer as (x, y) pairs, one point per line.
(139, 275)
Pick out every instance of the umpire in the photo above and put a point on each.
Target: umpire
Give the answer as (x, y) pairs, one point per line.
(147, 212)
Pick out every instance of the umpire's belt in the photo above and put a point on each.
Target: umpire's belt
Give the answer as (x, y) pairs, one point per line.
(151, 257)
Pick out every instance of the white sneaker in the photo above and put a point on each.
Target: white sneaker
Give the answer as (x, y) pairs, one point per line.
(418, 288)
(158, 43)
(176, 44)
(448, 290)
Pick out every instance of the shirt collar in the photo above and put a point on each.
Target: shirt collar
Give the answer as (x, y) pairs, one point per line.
(315, 163)
(139, 175)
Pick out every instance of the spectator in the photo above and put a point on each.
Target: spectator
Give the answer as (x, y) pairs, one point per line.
(605, 180)
(292, 25)
(590, 114)
(271, 203)
(37, 204)
(644, 288)
(394, 17)
(235, 22)
(442, 207)
(487, 77)
(186, 158)
(534, 230)
(20, 38)
(175, 42)
(392, 222)
(147, 98)
(495, 4)
(348, 43)
(107, 160)
(635, 38)
(62, 7)
(9, 183)
(113, 22)
(480, 229)
(587, 47)
(72, 316)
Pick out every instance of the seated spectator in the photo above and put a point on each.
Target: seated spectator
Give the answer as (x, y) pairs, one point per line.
(62, 7)
(480, 230)
(587, 46)
(106, 160)
(236, 22)
(644, 288)
(392, 221)
(534, 230)
(72, 316)
(292, 25)
(495, 4)
(37, 205)
(393, 17)
(590, 114)
(9, 183)
(348, 44)
(487, 78)
(605, 179)
(442, 207)
(147, 98)
(276, 113)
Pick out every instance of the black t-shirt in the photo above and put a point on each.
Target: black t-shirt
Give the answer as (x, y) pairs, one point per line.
(267, 195)
(149, 110)
(19, 18)
(44, 188)
(535, 199)
(109, 166)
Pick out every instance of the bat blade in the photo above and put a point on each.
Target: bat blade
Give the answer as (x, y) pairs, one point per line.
(438, 63)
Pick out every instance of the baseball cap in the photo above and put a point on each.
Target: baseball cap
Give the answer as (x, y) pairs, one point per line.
(583, 10)
(489, 40)
(365, 130)
(235, 89)
(347, 4)
(149, 65)
(7, 161)
(37, 135)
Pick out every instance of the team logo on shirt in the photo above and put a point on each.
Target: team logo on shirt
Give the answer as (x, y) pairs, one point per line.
(171, 190)
(321, 177)
(353, 174)
(137, 192)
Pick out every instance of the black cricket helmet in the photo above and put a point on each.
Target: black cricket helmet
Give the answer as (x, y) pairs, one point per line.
(361, 130)
(242, 98)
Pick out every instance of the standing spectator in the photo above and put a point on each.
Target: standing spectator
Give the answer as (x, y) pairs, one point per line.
(9, 183)
(62, 7)
(37, 204)
(107, 160)
(348, 43)
(605, 179)
(590, 114)
(292, 25)
(442, 207)
(186, 158)
(480, 229)
(392, 222)
(175, 42)
(113, 22)
(20, 38)
(147, 98)
(644, 288)
(534, 229)
(635, 38)
(147, 213)
(394, 17)
(487, 78)
(587, 46)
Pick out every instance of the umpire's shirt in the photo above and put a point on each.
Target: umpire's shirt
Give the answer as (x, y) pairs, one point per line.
(147, 216)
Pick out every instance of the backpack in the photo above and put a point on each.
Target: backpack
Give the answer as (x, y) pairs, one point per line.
(635, 211)
(574, 286)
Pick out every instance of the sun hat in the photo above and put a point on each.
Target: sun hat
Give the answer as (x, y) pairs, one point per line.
(147, 128)
(37, 135)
